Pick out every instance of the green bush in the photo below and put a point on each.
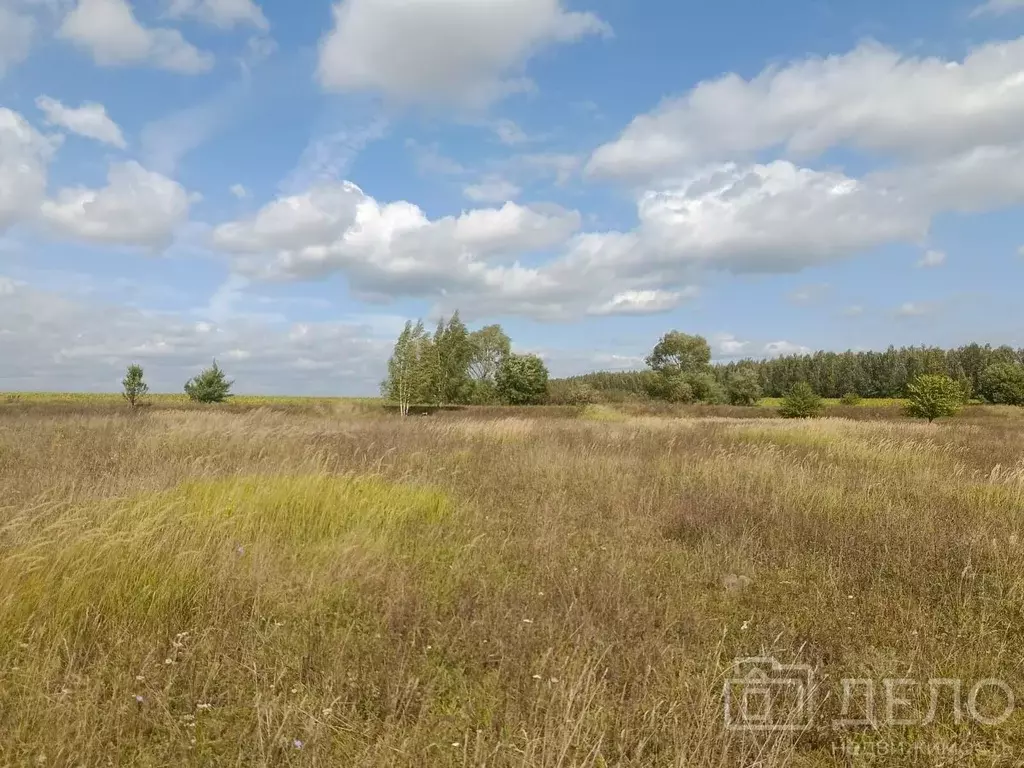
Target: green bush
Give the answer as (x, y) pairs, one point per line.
(851, 398)
(801, 402)
(210, 386)
(134, 386)
(522, 380)
(933, 396)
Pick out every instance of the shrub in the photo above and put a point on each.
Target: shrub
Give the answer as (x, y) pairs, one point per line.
(851, 398)
(580, 394)
(134, 387)
(933, 396)
(801, 402)
(522, 380)
(1002, 384)
(707, 389)
(210, 386)
(678, 390)
(744, 387)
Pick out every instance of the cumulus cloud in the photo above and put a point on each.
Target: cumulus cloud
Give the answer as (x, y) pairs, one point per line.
(25, 155)
(16, 33)
(447, 51)
(109, 30)
(48, 340)
(239, 191)
(136, 208)
(782, 348)
(225, 14)
(872, 98)
(89, 120)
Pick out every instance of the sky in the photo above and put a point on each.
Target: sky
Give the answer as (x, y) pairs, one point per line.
(280, 185)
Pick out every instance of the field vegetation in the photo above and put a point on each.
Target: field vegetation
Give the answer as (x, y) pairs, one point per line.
(278, 583)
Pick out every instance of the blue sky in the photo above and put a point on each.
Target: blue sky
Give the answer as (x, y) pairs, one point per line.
(280, 185)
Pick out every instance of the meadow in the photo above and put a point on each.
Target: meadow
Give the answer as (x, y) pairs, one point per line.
(322, 583)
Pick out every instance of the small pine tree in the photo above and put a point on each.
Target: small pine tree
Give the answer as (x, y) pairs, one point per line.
(801, 402)
(933, 396)
(134, 387)
(210, 386)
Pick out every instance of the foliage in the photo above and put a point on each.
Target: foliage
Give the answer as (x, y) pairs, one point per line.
(411, 369)
(801, 402)
(134, 387)
(744, 387)
(850, 398)
(490, 346)
(706, 388)
(1003, 384)
(580, 394)
(933, 396)
(522, 380)
(210, 386)
(452, 353)
(680, 354)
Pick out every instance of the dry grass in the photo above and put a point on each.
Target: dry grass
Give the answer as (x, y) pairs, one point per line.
(313, 587)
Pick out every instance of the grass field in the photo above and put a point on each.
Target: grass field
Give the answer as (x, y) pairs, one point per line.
(341, 587)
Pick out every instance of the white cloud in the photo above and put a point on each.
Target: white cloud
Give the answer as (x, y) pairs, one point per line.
(449, 51)
(872, 98)
(561, 166)
(109, 30)
(220, 13)
(998, 8)
(854, 310)
(136, 208)
(24, 158)
(89, 120)
(16, 33)
(647, 302)
(932, 259)
(493, 189)
(782, 348)
(509, 133)
(727, 346)
(239, 191)
(168, 139)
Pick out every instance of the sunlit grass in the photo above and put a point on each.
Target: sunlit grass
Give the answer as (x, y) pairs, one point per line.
(310, 587)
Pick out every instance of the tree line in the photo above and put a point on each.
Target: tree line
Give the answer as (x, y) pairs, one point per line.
(992, 374)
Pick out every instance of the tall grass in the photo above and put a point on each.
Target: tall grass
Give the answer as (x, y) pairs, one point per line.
(318, 588)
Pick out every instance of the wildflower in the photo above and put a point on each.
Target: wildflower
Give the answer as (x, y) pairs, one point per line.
(240, 551)
(536, 677)
(527, 621)
(295, 690)
(327, 712)
(140, 678)
(168, 661)
(298, 744)
(456, 744)
(139, 699)
(203, 706)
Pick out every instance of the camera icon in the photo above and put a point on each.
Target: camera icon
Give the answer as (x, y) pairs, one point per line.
(764, 695)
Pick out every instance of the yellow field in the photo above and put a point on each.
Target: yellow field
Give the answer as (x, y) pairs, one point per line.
(496, 587)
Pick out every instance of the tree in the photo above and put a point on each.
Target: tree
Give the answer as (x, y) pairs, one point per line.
(801, 402)
(409, 369)
(490, 346)
(744, 387)
(134, 387)
(934, 395)
(453, 353)
(1003, 384)
(210, 386)
(522, 380)
(850, 398)
(706, 388)
(677, 390)
(680, 354)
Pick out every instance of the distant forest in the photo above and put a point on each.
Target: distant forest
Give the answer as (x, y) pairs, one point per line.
(830, 374)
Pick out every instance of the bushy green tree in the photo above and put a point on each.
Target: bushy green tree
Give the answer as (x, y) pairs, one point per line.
(801, 402)
(580, 394)
(522, 380)
(1003, 384)
(210, 386)
(134, 387)
(934, 395)
(453, 352)
(679, 353)
(677, 390)
(706, 388)
(410, 377)
(490, 346)
(744, 387)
